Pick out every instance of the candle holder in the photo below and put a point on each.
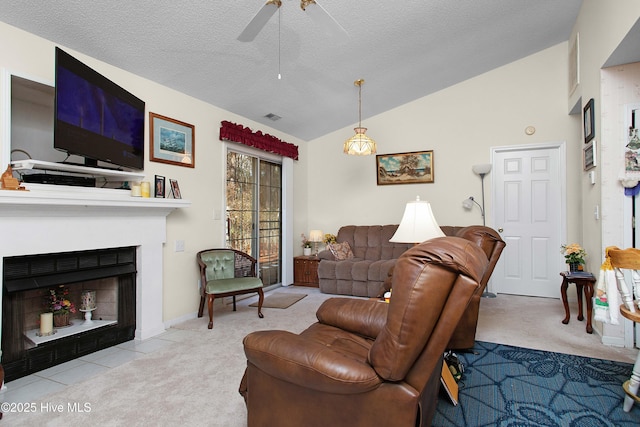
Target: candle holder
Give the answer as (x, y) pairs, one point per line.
(88, 304)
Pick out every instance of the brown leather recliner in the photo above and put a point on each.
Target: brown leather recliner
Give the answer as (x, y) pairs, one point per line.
(367, 363)
(491, 243)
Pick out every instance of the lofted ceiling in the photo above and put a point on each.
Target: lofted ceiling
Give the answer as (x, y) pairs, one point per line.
(403, 50)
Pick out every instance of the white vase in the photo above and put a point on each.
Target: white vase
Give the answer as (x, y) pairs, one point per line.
(306, 251)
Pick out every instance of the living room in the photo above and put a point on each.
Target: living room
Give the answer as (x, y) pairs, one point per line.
(332, 190)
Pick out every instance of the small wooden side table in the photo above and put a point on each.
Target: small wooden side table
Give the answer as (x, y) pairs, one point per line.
(583, 280)
(305, 271)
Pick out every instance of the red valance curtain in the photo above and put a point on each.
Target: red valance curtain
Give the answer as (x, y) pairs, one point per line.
(263, 141)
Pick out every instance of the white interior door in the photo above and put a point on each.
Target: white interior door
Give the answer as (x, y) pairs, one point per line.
(529, 213)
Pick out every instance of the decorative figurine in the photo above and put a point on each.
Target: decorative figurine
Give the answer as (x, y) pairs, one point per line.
(9, 182)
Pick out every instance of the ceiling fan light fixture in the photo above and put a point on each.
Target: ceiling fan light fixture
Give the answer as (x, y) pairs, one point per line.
(360, 144)
(305, 3)
(315, 11)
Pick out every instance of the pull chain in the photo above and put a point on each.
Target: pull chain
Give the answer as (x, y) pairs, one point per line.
(279, 32)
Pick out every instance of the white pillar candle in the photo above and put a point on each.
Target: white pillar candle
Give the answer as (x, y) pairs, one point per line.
(135, 190)
(46, 323)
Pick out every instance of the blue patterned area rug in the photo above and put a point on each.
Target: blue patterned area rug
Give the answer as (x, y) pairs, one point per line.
(512, 386)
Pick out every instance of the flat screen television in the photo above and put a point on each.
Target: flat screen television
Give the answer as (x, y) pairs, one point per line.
(95, 118)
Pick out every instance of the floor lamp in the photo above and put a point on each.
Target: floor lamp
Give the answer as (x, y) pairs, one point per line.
(482, 170)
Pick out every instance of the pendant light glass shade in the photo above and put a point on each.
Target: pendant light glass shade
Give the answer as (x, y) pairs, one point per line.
(359, 144)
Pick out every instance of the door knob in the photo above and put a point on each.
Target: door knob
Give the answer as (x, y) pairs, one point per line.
(500, 230)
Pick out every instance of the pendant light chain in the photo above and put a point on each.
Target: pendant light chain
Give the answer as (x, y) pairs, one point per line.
(360, 102)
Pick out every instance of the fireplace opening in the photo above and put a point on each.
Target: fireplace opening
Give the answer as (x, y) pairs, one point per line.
(27, 281)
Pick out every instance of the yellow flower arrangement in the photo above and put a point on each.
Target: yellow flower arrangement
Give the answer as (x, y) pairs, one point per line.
(329, 238)
(573, 253)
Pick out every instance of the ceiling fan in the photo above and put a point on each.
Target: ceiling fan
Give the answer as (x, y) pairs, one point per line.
(313, 9)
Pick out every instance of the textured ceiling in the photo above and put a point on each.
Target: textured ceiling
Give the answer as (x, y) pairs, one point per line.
(404, 50)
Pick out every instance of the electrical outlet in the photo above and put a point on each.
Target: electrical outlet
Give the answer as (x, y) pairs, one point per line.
(179, 245)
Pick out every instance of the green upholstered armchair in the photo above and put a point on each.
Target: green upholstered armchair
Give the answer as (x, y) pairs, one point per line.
(227, 272)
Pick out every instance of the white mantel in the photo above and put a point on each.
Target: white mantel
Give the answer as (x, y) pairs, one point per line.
(50, 219)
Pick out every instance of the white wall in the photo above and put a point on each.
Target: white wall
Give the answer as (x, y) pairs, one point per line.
(601, 26)
(26, 54)
(460, 124)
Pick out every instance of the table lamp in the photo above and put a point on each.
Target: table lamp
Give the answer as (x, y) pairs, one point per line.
(315, 237)
(418, 224)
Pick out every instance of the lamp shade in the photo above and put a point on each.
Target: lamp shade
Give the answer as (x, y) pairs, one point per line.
(418, 224)
(360, 144)
(315, 236)
(468, 203)
(482, 169)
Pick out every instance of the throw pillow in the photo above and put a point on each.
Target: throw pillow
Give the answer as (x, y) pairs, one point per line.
(341, 251)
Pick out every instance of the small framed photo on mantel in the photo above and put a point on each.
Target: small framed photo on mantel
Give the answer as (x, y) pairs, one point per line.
(159, 186)
(174, 189)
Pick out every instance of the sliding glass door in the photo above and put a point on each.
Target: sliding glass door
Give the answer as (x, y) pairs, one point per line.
(254, 211)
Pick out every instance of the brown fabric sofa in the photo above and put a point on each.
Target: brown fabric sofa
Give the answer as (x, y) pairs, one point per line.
(364, 274)
(365, 362)
(368, 274)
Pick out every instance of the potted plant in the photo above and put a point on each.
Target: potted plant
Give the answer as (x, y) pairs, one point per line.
(306, 245)
(60, 305)
(574, 255)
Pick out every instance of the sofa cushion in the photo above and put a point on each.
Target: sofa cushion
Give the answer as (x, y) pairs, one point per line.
(341, 251)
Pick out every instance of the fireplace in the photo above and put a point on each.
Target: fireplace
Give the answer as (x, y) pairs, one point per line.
(59, 220)
(27, 281)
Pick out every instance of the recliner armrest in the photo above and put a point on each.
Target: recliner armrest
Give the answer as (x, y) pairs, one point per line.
(309, 364)
(362, 317)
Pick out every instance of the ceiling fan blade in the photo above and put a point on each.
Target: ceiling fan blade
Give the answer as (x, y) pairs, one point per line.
(319, 15)
(259, 21)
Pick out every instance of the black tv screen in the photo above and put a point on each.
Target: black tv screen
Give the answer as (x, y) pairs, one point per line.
(95, 118)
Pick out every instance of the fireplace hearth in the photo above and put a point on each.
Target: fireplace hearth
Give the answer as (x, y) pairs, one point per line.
(26, 283)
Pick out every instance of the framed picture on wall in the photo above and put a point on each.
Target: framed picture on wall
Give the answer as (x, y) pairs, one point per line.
(171, 141)
(159, 186)
(574, 64)
(588, 121)
(405, 168)
(589, 155)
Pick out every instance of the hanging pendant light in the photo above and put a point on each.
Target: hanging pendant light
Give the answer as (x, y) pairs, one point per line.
(360, 144)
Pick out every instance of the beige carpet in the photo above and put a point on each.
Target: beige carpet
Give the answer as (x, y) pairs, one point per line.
(280, 300)
(192, 383)
(195, 382)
